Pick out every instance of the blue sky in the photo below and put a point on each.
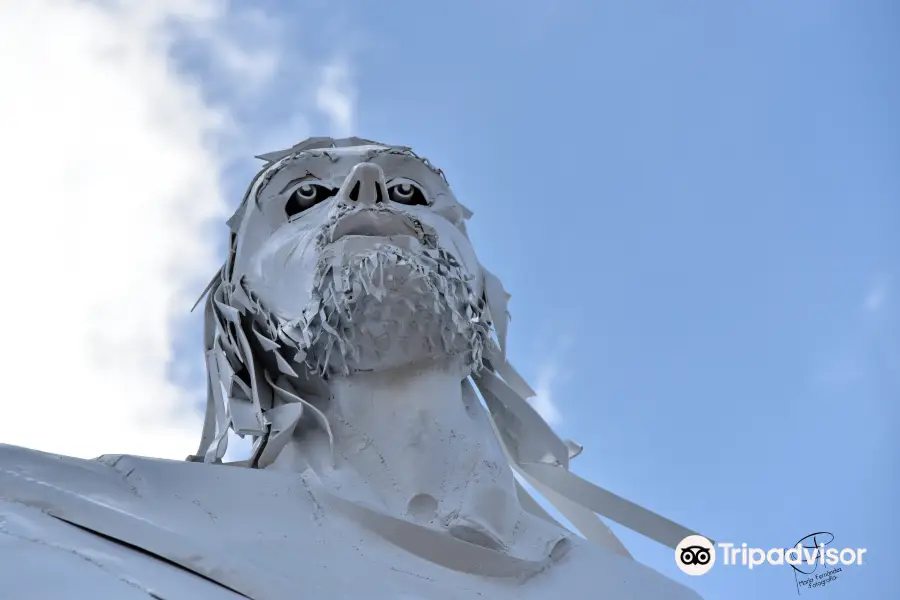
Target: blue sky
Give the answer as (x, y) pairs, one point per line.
(696, 208)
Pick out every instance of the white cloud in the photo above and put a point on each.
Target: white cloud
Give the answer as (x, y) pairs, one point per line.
(252, 64)
(856, 359)
(111, 180)
(544, 402)
(336, 97)
(553, 346)
(876, 296)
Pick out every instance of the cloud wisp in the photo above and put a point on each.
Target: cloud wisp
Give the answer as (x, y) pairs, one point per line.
(877, 296)
(550, 373)
(869, 350)
(545, 402)
(336, 97)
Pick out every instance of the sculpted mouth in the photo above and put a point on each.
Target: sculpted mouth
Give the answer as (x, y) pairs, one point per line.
(373, 223)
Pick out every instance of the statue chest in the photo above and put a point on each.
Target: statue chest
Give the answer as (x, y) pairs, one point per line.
(137, 528)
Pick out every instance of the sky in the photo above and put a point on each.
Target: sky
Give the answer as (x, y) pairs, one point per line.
(695, 206)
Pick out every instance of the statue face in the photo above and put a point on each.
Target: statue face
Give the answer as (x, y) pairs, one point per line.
(359, 254)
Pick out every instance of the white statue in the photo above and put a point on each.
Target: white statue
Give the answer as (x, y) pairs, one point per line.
(346, 334)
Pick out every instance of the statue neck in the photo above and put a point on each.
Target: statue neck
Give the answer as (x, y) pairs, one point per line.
(407, 442)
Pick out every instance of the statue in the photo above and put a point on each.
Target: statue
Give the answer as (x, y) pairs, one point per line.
(350, 334)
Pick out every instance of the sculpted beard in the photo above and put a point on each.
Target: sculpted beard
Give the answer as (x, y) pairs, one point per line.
(381, 306)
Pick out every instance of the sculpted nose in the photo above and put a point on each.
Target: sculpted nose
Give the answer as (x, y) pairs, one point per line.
(364, 185)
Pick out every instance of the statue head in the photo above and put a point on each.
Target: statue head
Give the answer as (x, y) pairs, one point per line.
(345, 255)
(355, 257)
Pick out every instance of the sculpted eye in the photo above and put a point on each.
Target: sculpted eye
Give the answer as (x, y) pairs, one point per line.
(305, 196)
(406, 192)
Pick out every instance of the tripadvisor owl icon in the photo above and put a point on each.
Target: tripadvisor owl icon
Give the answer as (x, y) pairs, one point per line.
(695, 555)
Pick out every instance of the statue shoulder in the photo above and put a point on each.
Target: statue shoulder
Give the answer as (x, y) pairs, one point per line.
(24, 471)
(37, 564)
(43, 555)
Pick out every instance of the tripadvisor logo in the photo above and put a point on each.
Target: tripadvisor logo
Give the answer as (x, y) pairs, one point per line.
(696, 555)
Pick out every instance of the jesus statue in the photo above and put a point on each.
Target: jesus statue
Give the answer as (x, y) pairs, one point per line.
(353, 335)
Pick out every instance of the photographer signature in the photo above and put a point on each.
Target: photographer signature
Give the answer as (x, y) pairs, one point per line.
(815, 542)
(818, 541)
